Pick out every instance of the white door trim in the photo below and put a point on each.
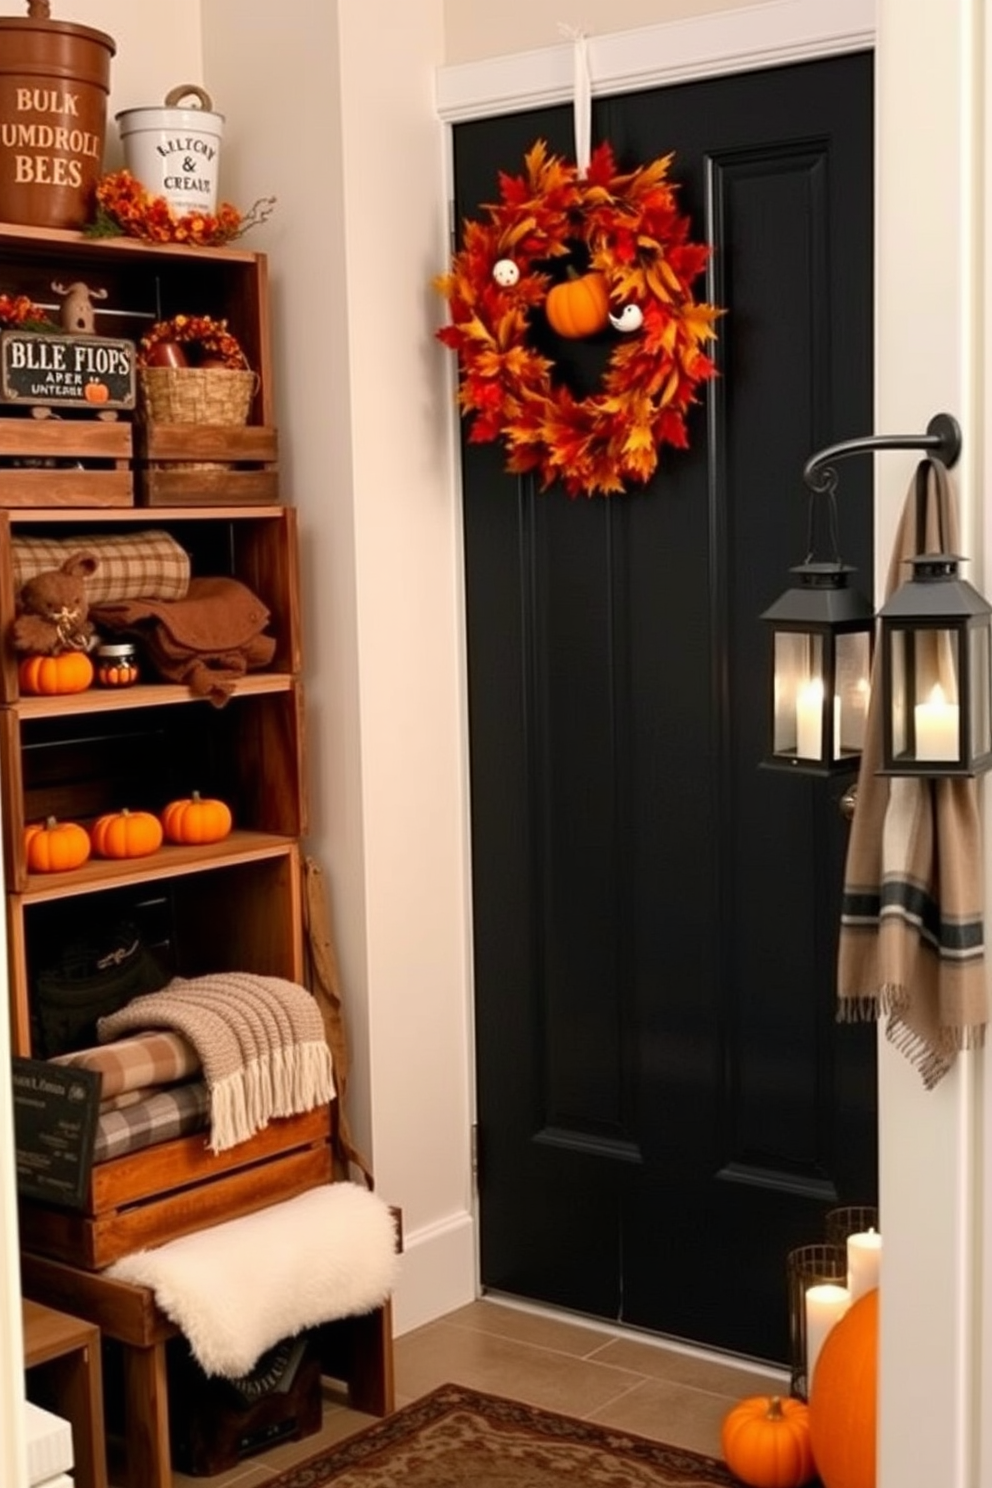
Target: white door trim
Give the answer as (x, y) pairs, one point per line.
(714, 45)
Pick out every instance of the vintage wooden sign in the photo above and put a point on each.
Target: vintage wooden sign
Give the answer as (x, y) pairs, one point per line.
(55, 1117)
(52, 369)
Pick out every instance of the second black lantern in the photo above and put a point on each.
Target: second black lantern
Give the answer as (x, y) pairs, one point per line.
(936, 639)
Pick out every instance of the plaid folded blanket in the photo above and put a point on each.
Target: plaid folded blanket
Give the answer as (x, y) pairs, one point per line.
(133, 565)
(165, 1114)
(260, 1040)
(150, 1058)
(128, 1098)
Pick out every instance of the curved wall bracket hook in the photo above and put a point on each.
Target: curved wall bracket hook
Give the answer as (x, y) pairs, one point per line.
(943, 439)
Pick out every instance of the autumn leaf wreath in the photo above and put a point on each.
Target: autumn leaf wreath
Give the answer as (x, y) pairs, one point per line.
(637, 270)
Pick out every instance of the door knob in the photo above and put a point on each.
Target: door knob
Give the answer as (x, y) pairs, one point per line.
(847, 803)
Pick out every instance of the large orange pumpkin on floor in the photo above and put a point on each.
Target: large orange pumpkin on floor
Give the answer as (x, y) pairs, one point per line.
(765, 1442)
(843, 1403)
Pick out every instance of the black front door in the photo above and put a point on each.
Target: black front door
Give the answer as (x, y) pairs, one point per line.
(666, 1105)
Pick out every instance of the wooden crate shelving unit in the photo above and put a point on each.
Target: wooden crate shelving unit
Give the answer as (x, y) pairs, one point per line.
(235, 904)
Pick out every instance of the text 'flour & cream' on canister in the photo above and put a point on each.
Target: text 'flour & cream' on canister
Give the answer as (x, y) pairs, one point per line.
(175, 152)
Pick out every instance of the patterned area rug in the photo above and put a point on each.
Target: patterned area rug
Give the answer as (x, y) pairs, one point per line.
(458, 1438)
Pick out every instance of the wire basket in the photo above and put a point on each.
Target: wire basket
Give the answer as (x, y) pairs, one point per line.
(810, 1265)
(196, 395)
(855, 1219)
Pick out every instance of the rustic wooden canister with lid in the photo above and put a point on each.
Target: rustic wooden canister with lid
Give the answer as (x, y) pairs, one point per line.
(54, 85)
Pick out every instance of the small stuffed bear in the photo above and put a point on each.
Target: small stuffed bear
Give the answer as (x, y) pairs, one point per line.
(52, 609)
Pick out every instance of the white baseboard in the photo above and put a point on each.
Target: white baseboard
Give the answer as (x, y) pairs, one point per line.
(437, 1273)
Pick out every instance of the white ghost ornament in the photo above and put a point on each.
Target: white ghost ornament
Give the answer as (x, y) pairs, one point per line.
(506, 273)
(631, 318)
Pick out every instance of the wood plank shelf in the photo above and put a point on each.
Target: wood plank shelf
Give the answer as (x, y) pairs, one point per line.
(141, 695)
(170, 860)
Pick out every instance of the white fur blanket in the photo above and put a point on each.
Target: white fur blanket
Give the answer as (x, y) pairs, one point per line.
(238, 1288)
(260, 1040)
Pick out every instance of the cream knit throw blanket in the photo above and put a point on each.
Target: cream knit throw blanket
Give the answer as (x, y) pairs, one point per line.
(912, 943)
(260, 1040)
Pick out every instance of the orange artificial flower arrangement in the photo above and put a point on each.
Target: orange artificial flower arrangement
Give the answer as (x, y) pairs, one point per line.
(208, 341)
(18, 313)
(125, 207)
(625, 228)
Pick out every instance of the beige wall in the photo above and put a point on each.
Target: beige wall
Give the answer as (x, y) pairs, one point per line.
(474, 30)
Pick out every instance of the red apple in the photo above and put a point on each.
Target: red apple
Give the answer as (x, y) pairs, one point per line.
(165, 354)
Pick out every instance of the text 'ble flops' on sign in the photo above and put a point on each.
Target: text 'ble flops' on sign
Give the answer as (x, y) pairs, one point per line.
(67, 371)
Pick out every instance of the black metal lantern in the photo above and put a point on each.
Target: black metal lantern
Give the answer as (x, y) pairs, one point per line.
(936, 638)
(821, 665)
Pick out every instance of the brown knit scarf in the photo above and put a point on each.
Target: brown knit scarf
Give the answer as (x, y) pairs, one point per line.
(912, 933)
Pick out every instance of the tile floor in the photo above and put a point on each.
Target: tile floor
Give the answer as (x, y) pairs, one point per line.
(552, 1360)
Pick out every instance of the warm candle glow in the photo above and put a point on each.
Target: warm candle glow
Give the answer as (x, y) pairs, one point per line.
(864, 1260)
(825, 1306)
(936, 727)
(809, 720)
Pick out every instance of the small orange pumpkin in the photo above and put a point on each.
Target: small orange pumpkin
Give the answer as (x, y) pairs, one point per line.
(53, 847)
(578, 307)
(765, 1442)
(126, 834)
(70, 671)
(96, 392)
(197, 820)
(843, 1402)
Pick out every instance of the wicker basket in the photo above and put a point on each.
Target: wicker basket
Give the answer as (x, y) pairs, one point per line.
(196, 395)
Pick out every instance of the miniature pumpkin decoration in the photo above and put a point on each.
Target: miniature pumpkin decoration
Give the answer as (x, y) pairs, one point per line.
(96, 392)
(126, 834)
(843, 1401)
(196, 820)
(69, 671)
(53, 847)
(578, 307)
(765, 1442)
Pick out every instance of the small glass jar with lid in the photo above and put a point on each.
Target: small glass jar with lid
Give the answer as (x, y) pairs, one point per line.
(117, 664)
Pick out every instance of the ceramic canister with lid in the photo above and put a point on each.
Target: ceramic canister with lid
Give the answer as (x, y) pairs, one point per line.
(175, 151)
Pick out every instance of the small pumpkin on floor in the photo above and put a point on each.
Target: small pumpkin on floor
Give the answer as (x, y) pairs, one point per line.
(765, 1442)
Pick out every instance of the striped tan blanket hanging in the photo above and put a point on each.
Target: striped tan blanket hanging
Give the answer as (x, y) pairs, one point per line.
(912, 943)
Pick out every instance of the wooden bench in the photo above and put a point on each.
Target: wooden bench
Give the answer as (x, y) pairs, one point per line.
(357, 1350)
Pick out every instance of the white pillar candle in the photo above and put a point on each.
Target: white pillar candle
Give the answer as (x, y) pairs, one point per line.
(825, 1305)
(809, 720)
(864, 1260)
(936, 727)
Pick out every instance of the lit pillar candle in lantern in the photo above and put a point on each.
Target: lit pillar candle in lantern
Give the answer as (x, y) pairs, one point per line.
(864, 1261)
(809, 720)
(936, 727)
(825, 1305)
